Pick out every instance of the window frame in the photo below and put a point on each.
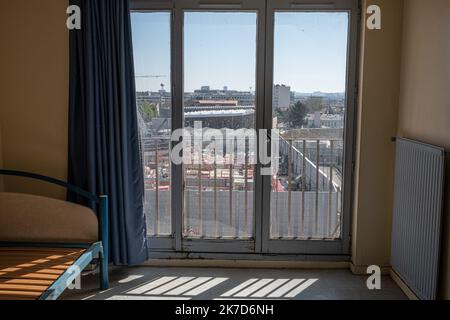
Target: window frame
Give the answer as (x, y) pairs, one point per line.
(342, 246)
(139, 6)
(175, 246)
(180, 7)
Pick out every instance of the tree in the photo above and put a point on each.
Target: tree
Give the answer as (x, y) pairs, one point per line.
(148, 111)
(314, 104)
(295, 115)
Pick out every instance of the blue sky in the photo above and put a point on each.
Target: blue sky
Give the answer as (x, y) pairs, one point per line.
(220, 50)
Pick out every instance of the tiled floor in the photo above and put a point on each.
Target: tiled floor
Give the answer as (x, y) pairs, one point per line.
(151, 283)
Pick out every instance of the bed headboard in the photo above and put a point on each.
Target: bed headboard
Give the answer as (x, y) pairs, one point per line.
(30, 218)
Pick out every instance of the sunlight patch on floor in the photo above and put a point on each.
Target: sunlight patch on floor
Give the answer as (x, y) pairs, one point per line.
(186, 288)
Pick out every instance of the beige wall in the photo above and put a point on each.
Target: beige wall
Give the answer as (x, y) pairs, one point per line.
(377, 124)
(1, 159)
(34, 91)
(425, 89)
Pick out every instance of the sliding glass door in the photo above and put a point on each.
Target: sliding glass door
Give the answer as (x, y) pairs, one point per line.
(311, 66)
(219, 83)
(220, 105)
(152, 42)
(222, 72)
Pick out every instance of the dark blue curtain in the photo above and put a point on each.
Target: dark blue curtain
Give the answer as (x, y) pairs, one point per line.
(104, 149)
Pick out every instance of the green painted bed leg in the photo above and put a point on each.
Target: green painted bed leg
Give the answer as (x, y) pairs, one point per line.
(104, 237)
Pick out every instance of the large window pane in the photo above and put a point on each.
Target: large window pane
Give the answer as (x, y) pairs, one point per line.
(309, 105)
(219, 84)
(151, 42)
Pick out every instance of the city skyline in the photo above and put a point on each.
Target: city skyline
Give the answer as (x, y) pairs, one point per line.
(232, 89)
(208, 38)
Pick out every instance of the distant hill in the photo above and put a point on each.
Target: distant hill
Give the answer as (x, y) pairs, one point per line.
(332, 95)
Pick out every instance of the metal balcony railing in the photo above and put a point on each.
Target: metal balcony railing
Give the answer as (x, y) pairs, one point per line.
(306, 192)
(219, 198)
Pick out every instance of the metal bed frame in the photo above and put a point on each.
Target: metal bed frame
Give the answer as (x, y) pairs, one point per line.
(99, 248)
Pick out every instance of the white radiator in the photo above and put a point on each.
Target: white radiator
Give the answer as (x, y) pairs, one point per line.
(418, 208)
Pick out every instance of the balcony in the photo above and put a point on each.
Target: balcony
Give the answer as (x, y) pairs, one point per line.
(306, 196)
